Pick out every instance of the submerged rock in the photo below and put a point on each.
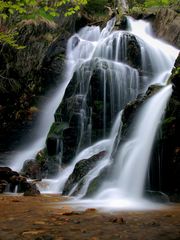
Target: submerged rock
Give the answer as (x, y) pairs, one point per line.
(157, 196)
(80, 171)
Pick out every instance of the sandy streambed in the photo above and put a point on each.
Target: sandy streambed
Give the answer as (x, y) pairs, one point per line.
(41, 218)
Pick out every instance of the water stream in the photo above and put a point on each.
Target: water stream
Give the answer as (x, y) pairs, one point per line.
(121, 82)
(124, 189)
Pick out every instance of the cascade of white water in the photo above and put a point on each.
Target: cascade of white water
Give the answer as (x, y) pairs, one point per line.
(91, 49)
(157, 58)
(133, 157)
(29, 150)
(124, 189)
(57, 184)
(161, 56)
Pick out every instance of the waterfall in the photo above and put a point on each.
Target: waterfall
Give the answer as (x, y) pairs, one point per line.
(133, 157)
(109, 69)
(29, 150)
(124, 188)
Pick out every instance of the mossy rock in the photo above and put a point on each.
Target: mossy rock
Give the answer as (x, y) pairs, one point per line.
(57, 129)
(97, 182)
(81, 170)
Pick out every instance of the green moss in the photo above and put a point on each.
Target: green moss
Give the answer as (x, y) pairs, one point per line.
(175, 73)
(57, 129)
(93, 187)
(41, 157)
(98, 105)
(169, 120)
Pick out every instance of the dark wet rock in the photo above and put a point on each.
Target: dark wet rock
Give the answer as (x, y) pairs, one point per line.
(53, 145)
(165, 23)
(167, 26)
(124, 23)
(80, 171)
(22, 84)
(133, 52)
(11, 180)
(175, 197)
(174, 79)
(153, 89)
(167, 149)
(53, 62)
(82, 108)
(43, 166)
(7, 173)
(3, 185)
(157, 196)
(30, 189)
(82, 21)
(32, 169)
(51, 166)
(97, 181)
(131, 108)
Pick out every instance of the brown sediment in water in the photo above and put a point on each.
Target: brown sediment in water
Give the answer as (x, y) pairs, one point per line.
(41, 218)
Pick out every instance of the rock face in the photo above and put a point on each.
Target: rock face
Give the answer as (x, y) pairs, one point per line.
(84, 116)
(9, 180)
(167, 26)
(27, 74)
(157, 196)
(80, 171)
(165, 164)
(167, 149)
(133, 107)
(21, 79)
(43, 166)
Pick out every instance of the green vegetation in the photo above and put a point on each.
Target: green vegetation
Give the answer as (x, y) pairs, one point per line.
(12, 12)
(140, 6)
(151, 3)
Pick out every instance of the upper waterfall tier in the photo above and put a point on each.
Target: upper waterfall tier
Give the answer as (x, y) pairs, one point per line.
(111, 69)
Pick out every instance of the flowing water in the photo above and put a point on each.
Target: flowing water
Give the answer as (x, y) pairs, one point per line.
(124, 189)
(121, 82)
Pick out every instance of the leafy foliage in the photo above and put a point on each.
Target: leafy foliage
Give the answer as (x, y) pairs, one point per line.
(21, 9)
(151, 3)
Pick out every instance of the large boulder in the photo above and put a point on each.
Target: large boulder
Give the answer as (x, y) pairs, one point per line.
(167, 26)
(11, 180)
(80, 171)
(22, 80)
(133, 107)
(32, 169)
(7, 173)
